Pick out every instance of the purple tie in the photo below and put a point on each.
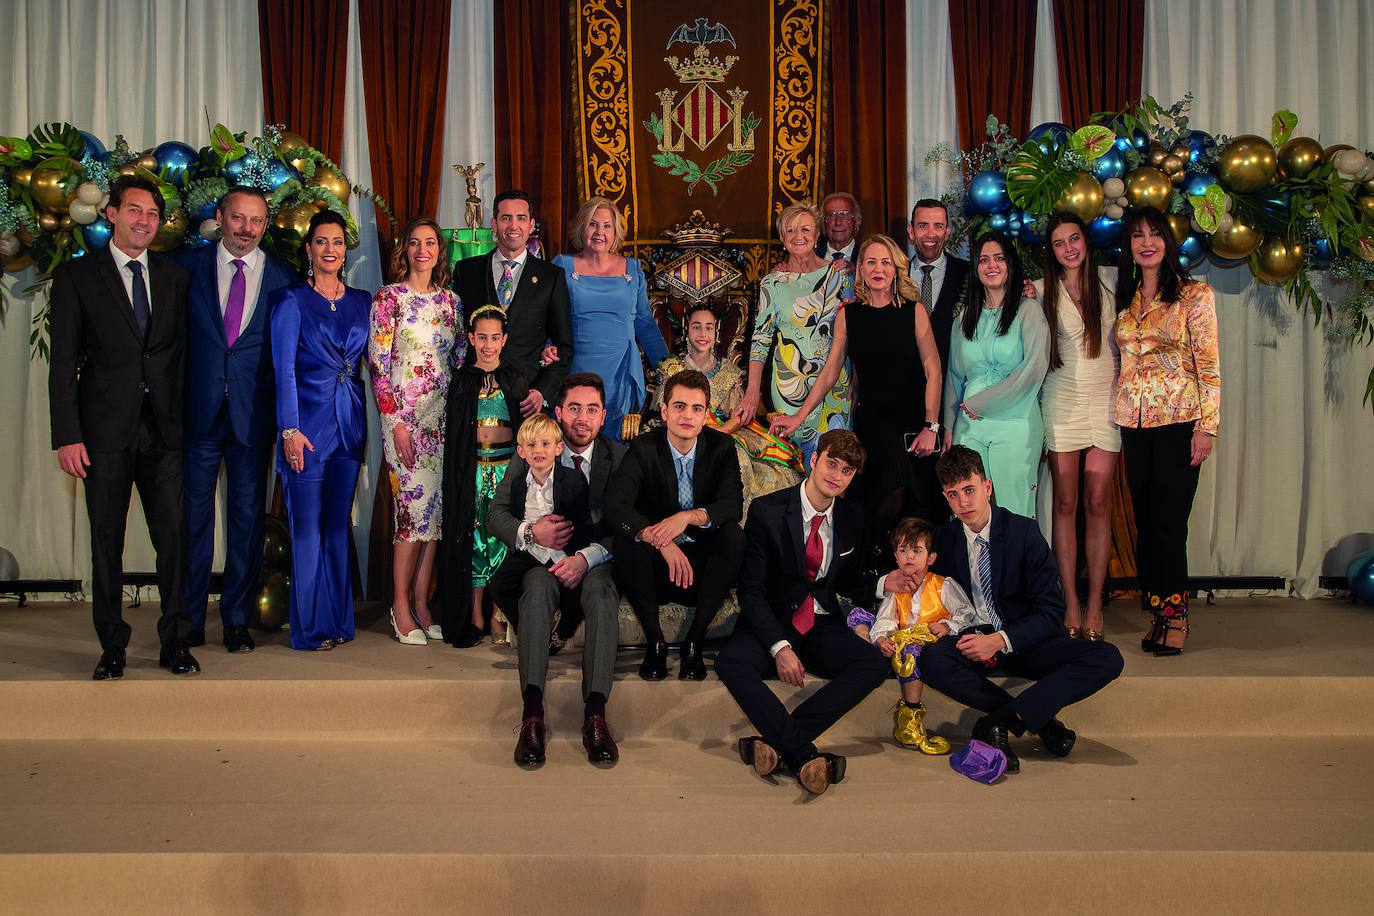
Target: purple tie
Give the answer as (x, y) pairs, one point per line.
(233, 309)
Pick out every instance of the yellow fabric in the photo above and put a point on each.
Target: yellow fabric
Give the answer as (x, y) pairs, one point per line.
(932, 605)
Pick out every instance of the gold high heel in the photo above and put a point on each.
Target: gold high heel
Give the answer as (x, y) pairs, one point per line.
(1072, 631)
(1092, 635)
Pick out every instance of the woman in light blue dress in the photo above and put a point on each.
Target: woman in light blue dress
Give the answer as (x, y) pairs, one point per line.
(998, 357)
(610, 310)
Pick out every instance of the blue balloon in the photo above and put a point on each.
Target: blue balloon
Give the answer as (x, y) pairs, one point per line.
(1014, 219)
(195, 240)
(1323, 253)
(233, 171)
(1131, 139)
(997, 222)
(280, 172)
(1352, 569)
(1050, 136)
(1200, 143)
(1111, 164)
(207, 211)
(1362, 583)
(1105, 232)
(1028, 233)
(987, 194)
(97, 234)
(1195, 184)
(94, 148)
(177, 158)
(1191, 252)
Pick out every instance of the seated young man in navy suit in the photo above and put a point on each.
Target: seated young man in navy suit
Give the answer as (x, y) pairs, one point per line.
(1002, 561)
(801, 557)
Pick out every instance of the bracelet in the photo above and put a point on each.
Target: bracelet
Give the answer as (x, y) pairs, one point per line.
(288, 434)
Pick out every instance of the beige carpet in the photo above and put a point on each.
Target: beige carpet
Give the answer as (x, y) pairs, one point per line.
(377, 779)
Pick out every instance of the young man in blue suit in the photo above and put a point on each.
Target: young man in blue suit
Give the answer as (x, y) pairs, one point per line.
(1002, 561)
(230, 409)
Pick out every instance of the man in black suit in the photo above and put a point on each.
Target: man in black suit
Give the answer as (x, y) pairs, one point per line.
(1002, 561)
(801, 555)
(541, 587)
(939, 276)
(533, 292)
(674, 507)
(840, 218)
(115, 387)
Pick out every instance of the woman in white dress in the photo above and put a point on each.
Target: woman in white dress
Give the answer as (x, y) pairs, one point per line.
(1076, 403)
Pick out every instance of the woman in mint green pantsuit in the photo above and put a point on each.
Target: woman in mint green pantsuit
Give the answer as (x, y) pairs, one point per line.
(998, 357)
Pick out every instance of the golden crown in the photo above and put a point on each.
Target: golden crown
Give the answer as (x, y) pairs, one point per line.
(696, 231)
(700, 67)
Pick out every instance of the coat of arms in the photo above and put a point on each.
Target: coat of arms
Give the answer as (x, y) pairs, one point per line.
(702, 115)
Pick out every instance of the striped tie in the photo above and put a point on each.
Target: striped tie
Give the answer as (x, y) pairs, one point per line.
(985, 580)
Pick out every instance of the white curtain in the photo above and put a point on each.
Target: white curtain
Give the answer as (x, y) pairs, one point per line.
(931, 115)
(147, 69)
(469, 129)
(1288, 491)
(1045, 87)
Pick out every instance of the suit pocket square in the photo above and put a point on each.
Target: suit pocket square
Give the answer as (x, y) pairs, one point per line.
(847, 552)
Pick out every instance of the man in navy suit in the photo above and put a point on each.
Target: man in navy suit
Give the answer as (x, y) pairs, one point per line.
(1002, 561)
(230, 409)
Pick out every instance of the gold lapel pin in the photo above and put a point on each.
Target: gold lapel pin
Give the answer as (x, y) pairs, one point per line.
(534, 279)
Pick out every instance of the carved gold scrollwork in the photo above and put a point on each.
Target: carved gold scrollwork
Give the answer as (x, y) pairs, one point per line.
(604, 66)
(796, 84)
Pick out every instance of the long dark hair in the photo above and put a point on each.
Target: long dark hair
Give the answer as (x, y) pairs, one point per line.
(1172, 274)
(1089, 286)
(325, 217)
(977, 296)
(400, 257)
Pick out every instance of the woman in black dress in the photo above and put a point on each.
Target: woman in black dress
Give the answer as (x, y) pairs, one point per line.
(886, 334)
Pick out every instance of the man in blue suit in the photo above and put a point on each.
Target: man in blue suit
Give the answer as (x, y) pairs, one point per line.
(230, 408)
(1003, 563)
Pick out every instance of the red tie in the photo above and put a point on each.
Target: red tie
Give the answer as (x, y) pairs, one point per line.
(805, 617)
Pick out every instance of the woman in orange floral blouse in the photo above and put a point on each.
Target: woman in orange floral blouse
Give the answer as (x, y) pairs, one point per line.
(1168, 405)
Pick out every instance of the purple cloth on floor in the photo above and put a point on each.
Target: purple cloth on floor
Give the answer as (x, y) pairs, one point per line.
(979, 761)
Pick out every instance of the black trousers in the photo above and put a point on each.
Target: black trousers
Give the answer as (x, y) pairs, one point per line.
(156, 470)
(831, 650)
(893, 485)
(715, 555)
(1162, 488)
(1064, 670)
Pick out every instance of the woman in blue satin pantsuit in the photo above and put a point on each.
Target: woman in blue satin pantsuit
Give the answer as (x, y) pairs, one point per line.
(998, 357)
(319, 342)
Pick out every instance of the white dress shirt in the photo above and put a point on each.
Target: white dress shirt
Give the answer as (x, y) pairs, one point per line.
(252, 279)
(980, 601)
(127, 276)
(498, 269)
(594, 553)
(962, 613)
(826, 533)
(937, 277)
(538, 503)
(847, 252)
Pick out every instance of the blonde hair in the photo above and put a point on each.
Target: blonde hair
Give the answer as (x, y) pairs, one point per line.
(789, 214)
(577, 229)
(906, 288)
(539, 424)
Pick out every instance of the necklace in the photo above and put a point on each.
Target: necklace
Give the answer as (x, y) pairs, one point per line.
(334, 300)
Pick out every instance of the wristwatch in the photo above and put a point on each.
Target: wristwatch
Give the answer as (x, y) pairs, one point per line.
(528, 540)
(933, 427)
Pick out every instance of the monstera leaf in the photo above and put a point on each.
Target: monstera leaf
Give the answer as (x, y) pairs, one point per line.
(1282, 126)
(1034, 179)
(1092, 141)
(1210, 207)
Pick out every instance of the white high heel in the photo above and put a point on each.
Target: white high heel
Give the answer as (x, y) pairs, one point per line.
(415, 637)
(435, 632)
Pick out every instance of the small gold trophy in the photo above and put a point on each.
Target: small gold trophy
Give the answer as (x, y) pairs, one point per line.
(472, 215)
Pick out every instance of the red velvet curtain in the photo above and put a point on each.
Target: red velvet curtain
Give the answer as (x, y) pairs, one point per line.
(994, 60)
(532, 54)
(1100, 46)
(405, 80)
(868, 90)
(304, 44)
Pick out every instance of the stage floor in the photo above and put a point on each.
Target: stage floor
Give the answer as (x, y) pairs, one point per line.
(377, 778)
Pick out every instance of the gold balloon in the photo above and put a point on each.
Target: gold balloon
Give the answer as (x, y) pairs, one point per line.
(1181, 151)
(1149, 187)
(66, 222)
(1247, 164)
(1277, 260)
(171, 233)
(126, 170)
(1157, 155)
(1299, 157)
(47, 184)
(1173, 164)
(47, 221)
(334, 182)
(1180, 225)
(1236, 242)
(297, 218)
(290, 141)
(23, 176)
(272, 607)
(276, 544)
(147, 161)
(1083, 198)
(1365, 202)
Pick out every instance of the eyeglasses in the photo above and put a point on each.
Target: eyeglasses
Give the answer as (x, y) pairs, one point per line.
(577, 410)
(838, 214)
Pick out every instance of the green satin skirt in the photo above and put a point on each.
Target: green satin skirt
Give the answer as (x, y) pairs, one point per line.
(488, 550)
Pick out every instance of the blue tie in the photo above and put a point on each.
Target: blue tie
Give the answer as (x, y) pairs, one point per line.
(140, 298)
(985, 580)
(684, 493)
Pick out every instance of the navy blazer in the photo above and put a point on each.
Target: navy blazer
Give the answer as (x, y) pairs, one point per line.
(643, 490)
(1025, 579)
(242, 374)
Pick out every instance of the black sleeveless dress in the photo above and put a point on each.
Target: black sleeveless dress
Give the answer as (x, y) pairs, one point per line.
(890, 386)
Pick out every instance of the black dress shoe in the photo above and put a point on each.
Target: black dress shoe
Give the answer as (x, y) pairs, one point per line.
(693, 667)
(469, 636)
(760, 755)
(655, 665)
(992, 733)
(529, 749)
(1057, 738)
(596, 738)
(179, 660)
(111, 665)
(236, 639)
(837, 764)
(196, 638)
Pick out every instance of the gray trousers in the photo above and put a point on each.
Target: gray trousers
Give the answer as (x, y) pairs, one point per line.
(535, 594)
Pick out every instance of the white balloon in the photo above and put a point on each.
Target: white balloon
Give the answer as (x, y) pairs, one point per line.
(1225, 222)
(82, 213)
(1350, 163)
(1113, 187)
(9, 245)
(210, 230)
(89, 192)
(104, 202)
(1113, 211)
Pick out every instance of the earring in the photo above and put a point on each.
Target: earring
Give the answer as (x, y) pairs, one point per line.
(310, 270)
(343, 273)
